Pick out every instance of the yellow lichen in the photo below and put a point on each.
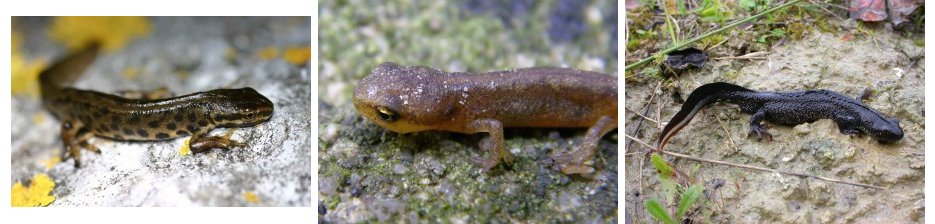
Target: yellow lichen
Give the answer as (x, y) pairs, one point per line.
(38, 118)
(268, 53)
(25, 73)
(297, 55)
(112, 32)
(251, 197)
(131, 73)
(185, 150)
(51, 162)
(37, 194)
(230, 54)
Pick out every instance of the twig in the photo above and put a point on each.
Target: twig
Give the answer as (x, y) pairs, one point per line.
(828, 11)
(643, 158)
(729, 136)
(718, 44)
(640, 115)
(709, 33)
(659, 108)
(741, 58)
(801, 175)
(645, 110)
(759, 55)
(832, 5)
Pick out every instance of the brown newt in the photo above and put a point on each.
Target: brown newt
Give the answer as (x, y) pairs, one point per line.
(408, 99)
(86, 113)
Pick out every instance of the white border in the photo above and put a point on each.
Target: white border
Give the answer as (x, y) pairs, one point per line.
(621, 110)
(151, 8)
(313, 82)
(928, 122)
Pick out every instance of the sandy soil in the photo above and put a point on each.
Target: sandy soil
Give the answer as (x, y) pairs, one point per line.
(883, 62)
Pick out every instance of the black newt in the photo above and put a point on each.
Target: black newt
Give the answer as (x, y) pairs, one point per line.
(787, 108)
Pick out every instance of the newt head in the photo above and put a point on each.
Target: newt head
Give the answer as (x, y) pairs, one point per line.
(403, 98)
(239, 107)
(885, 129)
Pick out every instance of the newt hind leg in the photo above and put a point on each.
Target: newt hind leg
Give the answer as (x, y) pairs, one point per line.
(757, 128)
(75, 136)
(577, 161)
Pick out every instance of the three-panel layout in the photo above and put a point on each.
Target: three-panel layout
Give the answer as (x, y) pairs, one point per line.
(483, 112)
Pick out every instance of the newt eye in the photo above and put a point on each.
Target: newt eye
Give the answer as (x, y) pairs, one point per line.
(251, 115)
(386, 114)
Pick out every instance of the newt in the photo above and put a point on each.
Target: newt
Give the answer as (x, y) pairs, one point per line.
(408, 99)
(86, 113)
(789, 109)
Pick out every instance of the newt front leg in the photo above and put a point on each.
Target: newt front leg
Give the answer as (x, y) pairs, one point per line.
(493, 143)
(201, 142)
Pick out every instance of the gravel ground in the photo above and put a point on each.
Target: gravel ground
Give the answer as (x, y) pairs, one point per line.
(885, 62)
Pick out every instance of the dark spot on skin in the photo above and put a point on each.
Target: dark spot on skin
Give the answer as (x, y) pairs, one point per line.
(161, 135)
(82, 131)
(218, 117)
(192, 117)
(134, 120)
(115, 120)
(118, 137)
(153, 124)
(103, 128)
(98, 114)
(178, 117)
(114, 126)
(203, 123)
(192, 128)
(171, 126)
(127, 131)
(143, 133)
(181, 132)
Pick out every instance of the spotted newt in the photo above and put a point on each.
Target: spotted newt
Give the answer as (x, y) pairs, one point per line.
(787, 108)
(407, 99)
(86, 113)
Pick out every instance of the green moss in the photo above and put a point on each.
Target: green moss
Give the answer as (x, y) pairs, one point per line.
(332, 202)
(733, 74)
(710, 41)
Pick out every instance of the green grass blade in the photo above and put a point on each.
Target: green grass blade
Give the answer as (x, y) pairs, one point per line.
(665, 171)
(689, 197)
(657, 211)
